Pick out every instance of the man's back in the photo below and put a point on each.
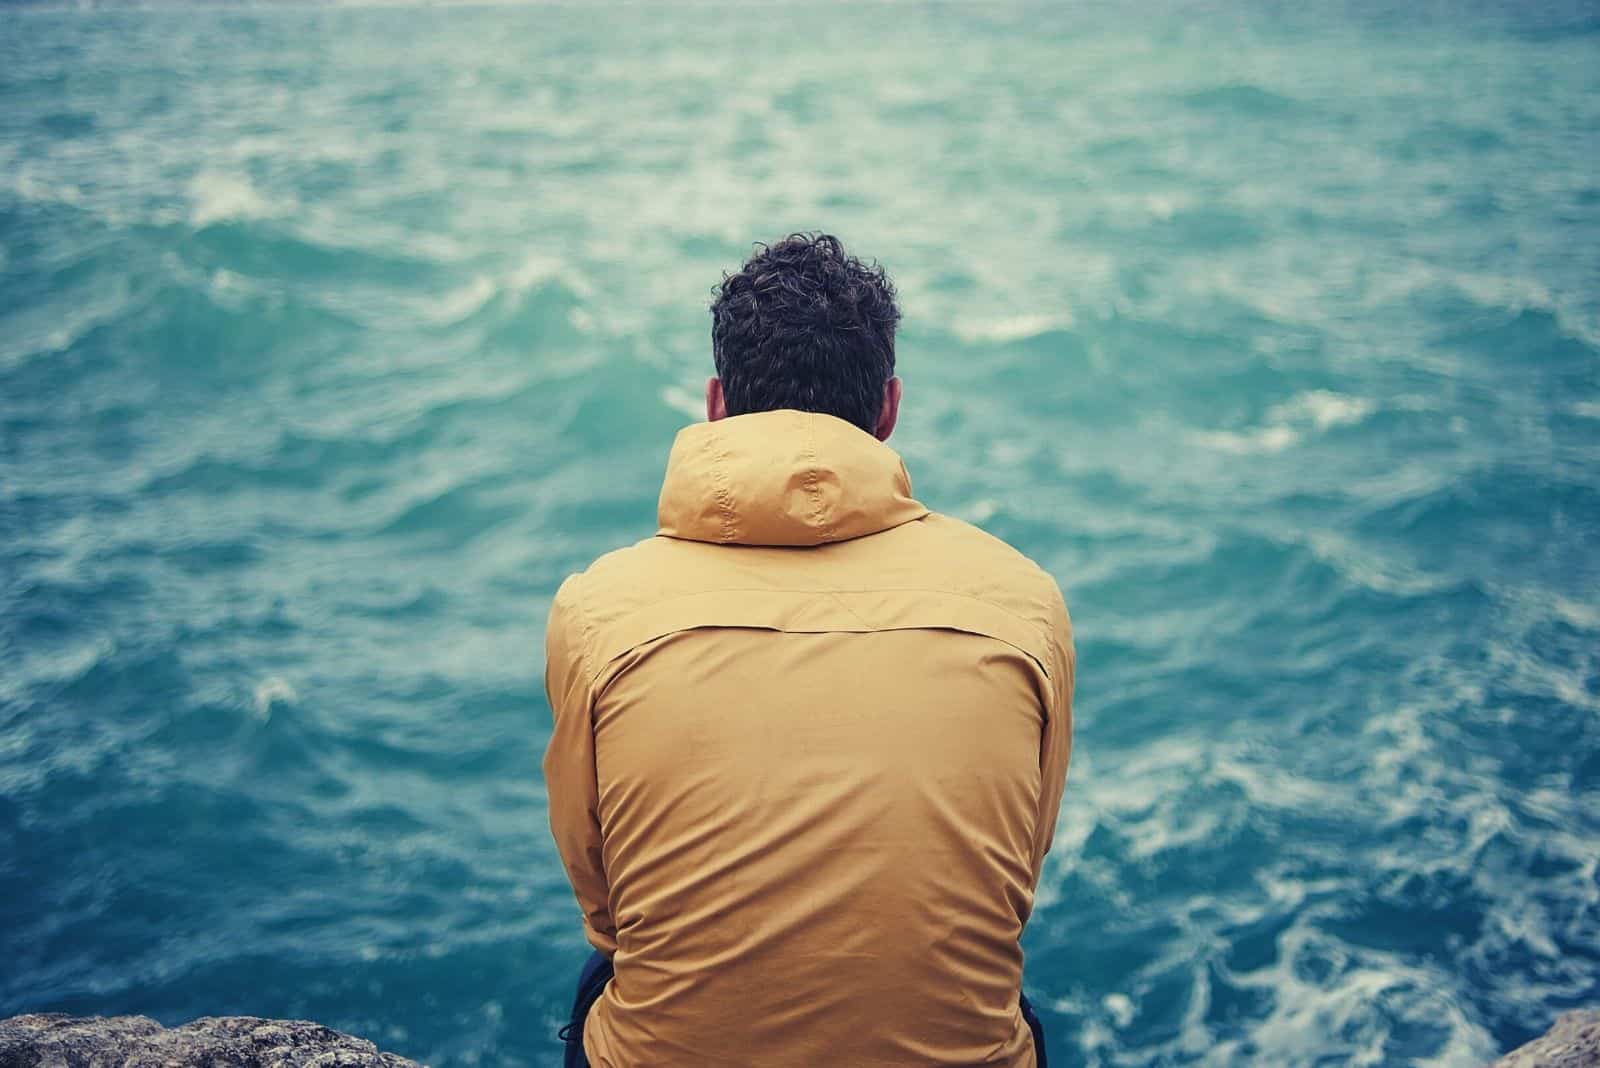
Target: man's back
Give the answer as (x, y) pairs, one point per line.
(809, 748)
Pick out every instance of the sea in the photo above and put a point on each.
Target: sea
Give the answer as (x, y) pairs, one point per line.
(332, 338)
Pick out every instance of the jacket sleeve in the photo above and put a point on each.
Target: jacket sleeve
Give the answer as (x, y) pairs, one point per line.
(569, 770)
(1055, 749)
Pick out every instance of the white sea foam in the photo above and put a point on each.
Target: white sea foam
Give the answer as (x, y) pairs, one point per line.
(1265, 439)
(217, 196)
(1287, 424)
(1347, 1005)
(536, 269)
(463, 301)
(1323, 408)
(1270, 785)
(1120, 1007)
(44, 192)
(1004, 329)
(1508, 293)
(1580, 614)
(1372, 569)
(981, 510)
(682, 399)
(269, 692)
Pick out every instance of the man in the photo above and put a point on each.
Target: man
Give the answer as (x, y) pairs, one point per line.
(810, 739)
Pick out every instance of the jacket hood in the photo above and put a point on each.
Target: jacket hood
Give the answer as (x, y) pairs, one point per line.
(782, 478)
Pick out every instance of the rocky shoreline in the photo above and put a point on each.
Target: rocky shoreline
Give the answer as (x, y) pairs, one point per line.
(56, 1041)
(1574, 1042)
(53, 1040)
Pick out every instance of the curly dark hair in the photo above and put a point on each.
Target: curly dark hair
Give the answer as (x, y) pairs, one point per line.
(805, 325)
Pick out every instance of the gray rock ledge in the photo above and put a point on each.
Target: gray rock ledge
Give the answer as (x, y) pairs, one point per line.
(1574, 1042)
(56, 1041)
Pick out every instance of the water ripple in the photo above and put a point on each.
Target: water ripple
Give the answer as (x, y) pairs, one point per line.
(330, 343)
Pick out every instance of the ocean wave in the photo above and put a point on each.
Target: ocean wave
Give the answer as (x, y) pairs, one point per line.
(1243, 99)
(1011, 328)
(271, 692)
(453, 516)
(317, 379)
(1306, 414)
(220, 196)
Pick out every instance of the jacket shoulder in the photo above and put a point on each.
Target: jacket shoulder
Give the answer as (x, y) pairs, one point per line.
(983, 565)
(992, 551)
(628, 578)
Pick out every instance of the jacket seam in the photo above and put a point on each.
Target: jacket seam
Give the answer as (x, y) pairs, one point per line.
(720, 487)
(1042, 629)
(731, 537)
(587, 629)
(833, 595)
(1042, 662)
(813, 482)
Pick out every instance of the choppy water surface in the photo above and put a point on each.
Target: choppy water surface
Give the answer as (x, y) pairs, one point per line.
(330, 341)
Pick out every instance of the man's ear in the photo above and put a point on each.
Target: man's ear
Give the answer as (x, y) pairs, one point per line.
(890, 412)
(716, 404)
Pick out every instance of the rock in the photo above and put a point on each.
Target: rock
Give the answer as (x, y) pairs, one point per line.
(1574, 1042)
(53, 1040)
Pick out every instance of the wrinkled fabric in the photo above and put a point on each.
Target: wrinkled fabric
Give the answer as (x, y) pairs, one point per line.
(809, 747)
(597, 972)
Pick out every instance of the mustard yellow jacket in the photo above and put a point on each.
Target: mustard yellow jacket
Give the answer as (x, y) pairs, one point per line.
(809, 746)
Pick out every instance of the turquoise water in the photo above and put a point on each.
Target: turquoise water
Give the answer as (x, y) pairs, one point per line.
(331, 340)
